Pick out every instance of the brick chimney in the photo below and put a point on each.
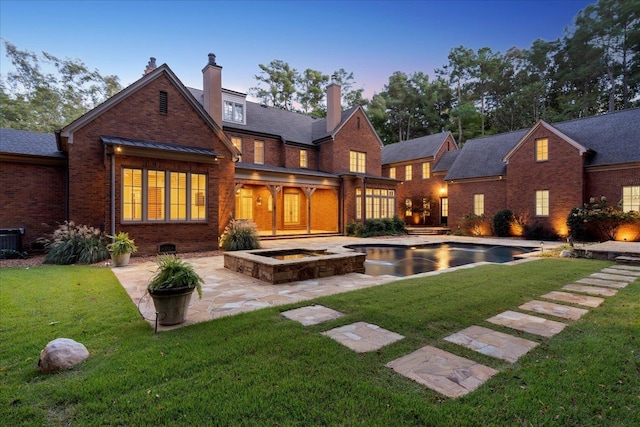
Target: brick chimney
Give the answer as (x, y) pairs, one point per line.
(212, 89)
(334, 108)
(150, 66)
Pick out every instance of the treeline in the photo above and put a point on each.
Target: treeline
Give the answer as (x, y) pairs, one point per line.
(594, 68)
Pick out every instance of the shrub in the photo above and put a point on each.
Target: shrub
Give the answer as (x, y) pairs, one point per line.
(76, 244)
(502, 223)
(474, 225)
(538, 232)
(598, 219)
(377, 227)
(239, 235)
(12, 254)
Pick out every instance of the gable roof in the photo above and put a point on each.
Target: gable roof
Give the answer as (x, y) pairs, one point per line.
(67, 131)
(446, 161)
(27, 143)
(417, 148)
(482, 157)
(289, 126)
(613, 138)
(609, 139)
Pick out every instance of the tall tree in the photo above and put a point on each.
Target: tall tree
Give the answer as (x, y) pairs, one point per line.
(311, 92)
(281, 80)
(35, 100)
(350, 97)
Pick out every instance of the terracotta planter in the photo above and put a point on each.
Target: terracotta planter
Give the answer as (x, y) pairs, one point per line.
(172, 305)
(120, 260)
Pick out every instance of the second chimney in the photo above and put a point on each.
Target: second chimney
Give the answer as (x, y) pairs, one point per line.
(212, 89)
(334, 109)
(150, 66)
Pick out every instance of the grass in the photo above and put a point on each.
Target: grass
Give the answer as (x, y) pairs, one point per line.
(259, 368)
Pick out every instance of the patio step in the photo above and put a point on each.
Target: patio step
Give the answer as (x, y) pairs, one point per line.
(628, 260)
(427, 231)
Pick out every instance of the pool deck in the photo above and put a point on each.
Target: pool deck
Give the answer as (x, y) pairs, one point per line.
(227, 293)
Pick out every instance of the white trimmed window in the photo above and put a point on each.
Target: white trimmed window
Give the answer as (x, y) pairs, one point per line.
(408, 207)
(379, 203)
(631, 198)
(542, 203)
(258, 152)
(478, 204)
(304, 160)
(357, 161)
(426, 170)
(408, 173)
(233, 112)
(237, 142)
(145, 196)
(392, 172)
(542, 150)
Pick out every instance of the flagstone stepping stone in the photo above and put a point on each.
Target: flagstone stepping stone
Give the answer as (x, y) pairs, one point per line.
(446, 373)
(492, 343)
(614, 270)
(616, 277)
(362, 337)
(312, 314)
(591, 290)
(585, 300)
(602, 282)
(626, 267)
(527, 323)
(553, 309)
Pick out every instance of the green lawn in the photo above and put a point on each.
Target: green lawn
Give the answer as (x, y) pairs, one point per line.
(261, 369)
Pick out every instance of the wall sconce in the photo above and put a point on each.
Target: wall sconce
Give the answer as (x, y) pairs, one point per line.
(259, 201)
(443, 190)
(118, 149)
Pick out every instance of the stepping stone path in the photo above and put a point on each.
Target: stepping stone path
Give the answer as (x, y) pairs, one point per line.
(574, 298)
(442, 371)
(553, 309)
(591, 290)
(492, 343)
(362, 337)
(455, 376)
(312, 315)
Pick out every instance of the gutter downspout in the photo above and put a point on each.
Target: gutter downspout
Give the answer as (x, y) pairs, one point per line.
(113, 195)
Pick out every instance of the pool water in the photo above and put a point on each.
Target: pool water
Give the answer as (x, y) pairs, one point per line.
(406, 261)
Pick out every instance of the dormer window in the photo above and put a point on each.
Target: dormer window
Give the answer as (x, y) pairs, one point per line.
(234, 107)
(233, 112)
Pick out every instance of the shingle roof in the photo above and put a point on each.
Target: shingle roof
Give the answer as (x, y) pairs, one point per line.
(446, 161)
(613, 137)
(483, 156)
(29, 143)
(426, 146)
(290, 126)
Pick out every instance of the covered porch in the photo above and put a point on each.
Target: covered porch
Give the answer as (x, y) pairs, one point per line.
(288, 204)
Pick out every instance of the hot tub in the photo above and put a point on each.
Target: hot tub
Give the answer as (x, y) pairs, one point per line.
(293, 265)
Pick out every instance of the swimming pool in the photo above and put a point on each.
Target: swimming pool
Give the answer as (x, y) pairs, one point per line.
(403, 261)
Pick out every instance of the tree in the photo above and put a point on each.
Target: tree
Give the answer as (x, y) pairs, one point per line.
(311, 92)
(281, 81)
(31, 99)
(350, 97)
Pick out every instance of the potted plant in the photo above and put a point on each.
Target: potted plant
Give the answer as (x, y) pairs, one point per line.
(171, 288)
(121, 249)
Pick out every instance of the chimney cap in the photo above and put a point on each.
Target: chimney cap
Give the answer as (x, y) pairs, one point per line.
(212, 59)
(152, 62)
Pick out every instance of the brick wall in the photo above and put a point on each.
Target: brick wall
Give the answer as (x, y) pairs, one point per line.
(138, 117)
(562, 175)
(461, 199)
(355, 135)
(33, 197)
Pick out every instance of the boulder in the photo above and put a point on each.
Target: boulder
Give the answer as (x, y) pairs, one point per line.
(566, 253)
(61, 354)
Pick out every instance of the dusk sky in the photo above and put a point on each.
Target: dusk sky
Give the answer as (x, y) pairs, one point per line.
(372, 39)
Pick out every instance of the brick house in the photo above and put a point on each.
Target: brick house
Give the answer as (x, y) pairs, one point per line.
(543, 172)
(421, 164)
(172, 165)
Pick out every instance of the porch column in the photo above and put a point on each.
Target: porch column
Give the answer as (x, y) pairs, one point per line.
(309, 191)
(274, 190)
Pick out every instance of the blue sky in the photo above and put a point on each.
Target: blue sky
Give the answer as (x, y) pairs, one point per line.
(372, 39)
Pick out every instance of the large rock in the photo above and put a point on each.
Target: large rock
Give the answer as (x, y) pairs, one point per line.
(61, 354)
